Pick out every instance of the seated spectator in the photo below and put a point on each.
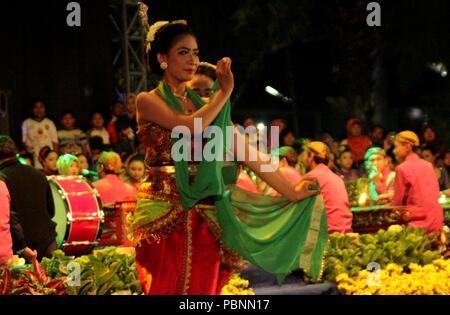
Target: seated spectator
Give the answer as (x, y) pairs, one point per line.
(97, 147)
(38, 132)
(429, 154)
(447, 161)
(377, 136)
(48, 158)
(116, 112)
(110, 187)
(82, 162)
(71, 140)
(381, 177)
(248, 121)
(287, 138)
(430, 139)
(131, 111)
(135, 171)
(125, 138)
(98, 128)
(68, 165)
(345, 165)
(357, 142)
(279, 122)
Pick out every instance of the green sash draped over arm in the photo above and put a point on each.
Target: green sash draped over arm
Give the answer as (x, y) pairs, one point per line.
(272, 233)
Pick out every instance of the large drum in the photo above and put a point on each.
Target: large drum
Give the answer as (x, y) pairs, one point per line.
(78, 214)
(115, 226)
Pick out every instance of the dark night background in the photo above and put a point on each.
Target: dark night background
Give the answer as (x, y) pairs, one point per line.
(321, 53)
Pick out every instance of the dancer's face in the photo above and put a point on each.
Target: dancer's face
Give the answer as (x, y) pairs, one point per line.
(202, 84)
(182, 59)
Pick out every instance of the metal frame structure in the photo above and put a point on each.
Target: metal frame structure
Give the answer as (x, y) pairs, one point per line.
(128, 46)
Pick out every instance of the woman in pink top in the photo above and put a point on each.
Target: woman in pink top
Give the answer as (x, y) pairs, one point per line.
(110, 188)
(5, 234)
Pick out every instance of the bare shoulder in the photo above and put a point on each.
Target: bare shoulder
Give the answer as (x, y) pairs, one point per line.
(146, 98)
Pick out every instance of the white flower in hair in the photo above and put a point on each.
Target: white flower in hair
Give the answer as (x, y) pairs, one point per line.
(155, 28)
(152, 32)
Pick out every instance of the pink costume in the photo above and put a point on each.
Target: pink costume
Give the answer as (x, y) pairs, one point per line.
(5, 234)
(417, 188)
(335, 195)
(112, 189)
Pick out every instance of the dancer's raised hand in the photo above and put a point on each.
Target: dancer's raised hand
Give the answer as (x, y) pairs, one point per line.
(225, 75)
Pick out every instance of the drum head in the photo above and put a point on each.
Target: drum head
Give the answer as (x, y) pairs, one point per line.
(60, 217)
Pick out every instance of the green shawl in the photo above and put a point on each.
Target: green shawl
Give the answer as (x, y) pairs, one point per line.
(272, 233)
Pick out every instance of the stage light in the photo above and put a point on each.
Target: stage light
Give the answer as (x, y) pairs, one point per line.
(416, 113)
(439, 67)
(260, 126)
(275, 93)
(272, 91)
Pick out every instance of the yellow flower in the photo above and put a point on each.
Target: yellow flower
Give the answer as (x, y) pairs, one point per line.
(341, 277)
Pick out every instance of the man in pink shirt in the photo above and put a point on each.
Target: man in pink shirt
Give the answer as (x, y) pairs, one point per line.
(416, 185)
(6, 246)
(110, 188)
(332, 187)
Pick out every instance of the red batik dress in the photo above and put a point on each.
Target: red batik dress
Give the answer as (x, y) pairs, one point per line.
(177, 251)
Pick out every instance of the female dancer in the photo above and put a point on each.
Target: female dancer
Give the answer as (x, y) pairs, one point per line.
(176, 228)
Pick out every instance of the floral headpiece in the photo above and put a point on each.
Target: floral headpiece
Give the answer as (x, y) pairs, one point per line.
(152, 30)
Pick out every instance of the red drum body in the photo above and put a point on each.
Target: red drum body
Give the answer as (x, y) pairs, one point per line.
(115, 227)
(78, 214)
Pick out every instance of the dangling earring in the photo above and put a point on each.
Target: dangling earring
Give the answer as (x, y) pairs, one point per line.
(163, 65)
